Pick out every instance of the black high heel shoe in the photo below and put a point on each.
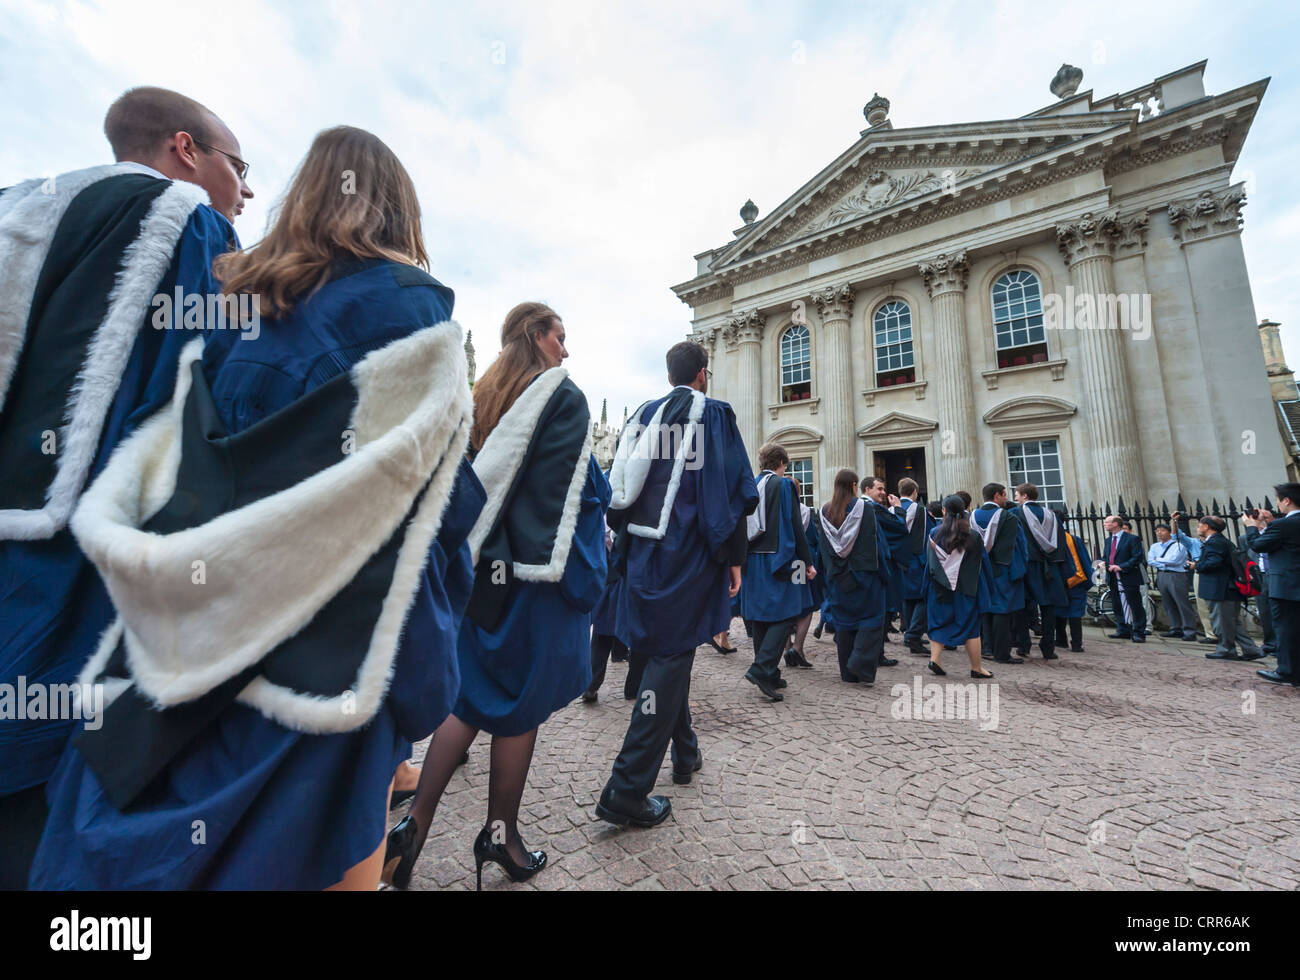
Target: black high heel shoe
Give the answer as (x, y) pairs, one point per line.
(936, 669)
(404, 847)
(486, 850)
(983, 677)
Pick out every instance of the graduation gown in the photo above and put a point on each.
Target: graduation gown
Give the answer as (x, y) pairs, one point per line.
(914, 550)
(1043, 583)
(318, 471)
(540, 562)
(1009, 557)
(895, 534)
(857, 583)
(680, 519)
(1076, 595)
(817, 586)
(81, 257)
(953, 616)
(773, 591)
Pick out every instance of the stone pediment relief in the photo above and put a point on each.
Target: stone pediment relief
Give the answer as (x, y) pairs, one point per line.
(1030, 408)
(898, 424)
(795, 434)
(882, 189)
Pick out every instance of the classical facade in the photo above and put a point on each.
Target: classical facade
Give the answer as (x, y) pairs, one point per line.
(1061, 297)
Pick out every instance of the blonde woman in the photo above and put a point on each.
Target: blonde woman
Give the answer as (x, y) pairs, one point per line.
(286, 546)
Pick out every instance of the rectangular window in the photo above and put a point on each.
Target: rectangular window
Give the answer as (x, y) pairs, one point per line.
(802, 470)
(1039, 463)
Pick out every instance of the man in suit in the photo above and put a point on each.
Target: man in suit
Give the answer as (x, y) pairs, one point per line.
(1123, 556)
(890, 521)
(1216, 587)
(1277, 540)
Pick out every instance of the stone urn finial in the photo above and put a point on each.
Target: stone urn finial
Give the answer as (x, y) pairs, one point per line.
(1066, 81)
(877, 110)
(749, 212)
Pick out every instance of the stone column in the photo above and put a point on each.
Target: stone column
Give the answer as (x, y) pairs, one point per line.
(945, 277)
(1088, 245)
(835, 385)
(746, 330)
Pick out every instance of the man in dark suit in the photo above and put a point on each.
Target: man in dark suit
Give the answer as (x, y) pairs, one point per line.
(1277, 540)
(1122, 553)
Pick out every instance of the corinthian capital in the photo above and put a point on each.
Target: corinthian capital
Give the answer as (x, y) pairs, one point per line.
(744, 328)
(835, 302)
(1208, 214)
(946, 272)
(1089, 236)
(705, 337)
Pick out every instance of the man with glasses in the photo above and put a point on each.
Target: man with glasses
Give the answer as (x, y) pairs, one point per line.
(84, 360)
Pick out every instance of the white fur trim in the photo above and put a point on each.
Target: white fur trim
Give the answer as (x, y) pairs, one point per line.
(497, 466)
(144, 262)
(272, 565)
(632, 465)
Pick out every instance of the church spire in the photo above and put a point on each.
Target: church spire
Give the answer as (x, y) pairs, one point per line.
(469, 355)
(604, 414)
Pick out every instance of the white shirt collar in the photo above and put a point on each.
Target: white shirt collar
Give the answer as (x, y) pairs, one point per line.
(144, 168)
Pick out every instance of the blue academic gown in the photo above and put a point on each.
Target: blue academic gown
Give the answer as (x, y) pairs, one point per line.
(952, 617)
(538, 658)
(1007, 587)
(53, 606)
(913, 566)
(769, 595)
(863, 606)
(1076, 597)
(895, 534)
(817, 586)
(674, 592)
(281, 808)
(1043, 583)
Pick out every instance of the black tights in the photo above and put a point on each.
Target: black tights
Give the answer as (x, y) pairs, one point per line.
(511, 758)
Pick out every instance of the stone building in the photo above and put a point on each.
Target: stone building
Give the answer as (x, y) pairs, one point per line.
(1060, 297)
(1286, 396)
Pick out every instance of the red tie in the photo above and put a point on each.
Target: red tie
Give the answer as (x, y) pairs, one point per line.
(1114, 541)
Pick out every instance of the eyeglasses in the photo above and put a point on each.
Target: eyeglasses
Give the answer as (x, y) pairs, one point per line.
(241, 168)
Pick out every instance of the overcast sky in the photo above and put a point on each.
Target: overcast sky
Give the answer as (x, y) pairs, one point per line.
(580, 154)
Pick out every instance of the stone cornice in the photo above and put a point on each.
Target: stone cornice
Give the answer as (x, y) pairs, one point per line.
(945, 273)
(835, 302)
(1208, 214)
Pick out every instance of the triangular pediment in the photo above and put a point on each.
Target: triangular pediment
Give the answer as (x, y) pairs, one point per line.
(889, 170)
(896, 424)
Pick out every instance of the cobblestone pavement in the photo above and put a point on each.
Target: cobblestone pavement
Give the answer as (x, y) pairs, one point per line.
(1123, 767)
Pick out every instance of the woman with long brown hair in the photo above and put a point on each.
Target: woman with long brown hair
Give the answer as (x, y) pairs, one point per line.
(856, 566)
(957, 581)
(287, 548)
(539, 548)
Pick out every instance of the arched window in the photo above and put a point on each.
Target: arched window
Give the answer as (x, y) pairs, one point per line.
(892, 328)
(796, 364)
(1018, 319)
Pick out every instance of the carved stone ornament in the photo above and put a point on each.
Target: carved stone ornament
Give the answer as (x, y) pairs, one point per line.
(1066, 81)
(877, 110)
(882, 189)
(1208, 214)
(945, 272)
(1089, 236)
(744, 328)
(834, 302)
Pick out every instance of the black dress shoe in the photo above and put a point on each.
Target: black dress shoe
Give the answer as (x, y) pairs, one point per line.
(1209, 639)
(780, 683)
(1275, 676)
(1023, 653)
(769, 690)
(1120, 636)
(987, 675)
(1008, 660)
(1078, 649)
(888, 662)
(589, 695)
(917, 649)
(1250, 656)
(848, 678)
(684, 778)
(936, 669)
(1216, 655)
(1189, 637)
(1051, 656)
(649, 811)
(720, 648)
(1173, 634)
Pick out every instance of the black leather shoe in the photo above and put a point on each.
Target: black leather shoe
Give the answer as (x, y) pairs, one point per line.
(720, 648)
(589, 695)
(936, 669)
(1008, 660)
(1189, 638)
(1250, 656)
(485, 850)
(1078, 649)
(794, 658)
(888, 662)
(1275, 676)
(1119, 636)
(1139, 639)
(1209, 639)
(1051, 656)
(1172, 634)
(684, 778)
(987, 675)
(769, 691)
(1216, 655)
(780, 683)
(917, 649)
(649, 811)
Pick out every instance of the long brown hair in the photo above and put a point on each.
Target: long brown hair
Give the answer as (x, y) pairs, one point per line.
(954, 533)
(846, 491)
(518, 363)
(350, 198)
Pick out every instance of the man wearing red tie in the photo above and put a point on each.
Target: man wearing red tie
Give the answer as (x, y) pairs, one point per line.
(1124, 575)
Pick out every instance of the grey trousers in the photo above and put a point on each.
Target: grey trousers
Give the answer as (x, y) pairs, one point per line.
(1175, 588)
(1225, 617)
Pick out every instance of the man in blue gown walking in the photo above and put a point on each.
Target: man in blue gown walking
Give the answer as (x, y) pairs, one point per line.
(682, 488)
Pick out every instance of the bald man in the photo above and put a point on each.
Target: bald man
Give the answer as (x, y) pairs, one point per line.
(85, 260)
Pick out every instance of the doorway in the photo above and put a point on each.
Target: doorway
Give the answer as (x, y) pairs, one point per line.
(894, 464)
